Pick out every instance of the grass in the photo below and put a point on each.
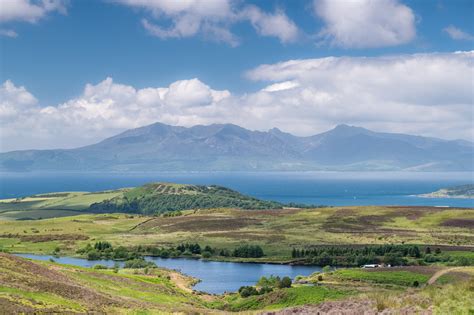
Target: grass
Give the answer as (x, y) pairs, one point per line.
(33, 287)
(277, 231)
(52, 205)
(278, 299)
(393, 277)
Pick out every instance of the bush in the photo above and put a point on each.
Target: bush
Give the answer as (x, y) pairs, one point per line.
(99, 266)
(247, 291)
(206, 254)
(139, 263)
(320, 278)
(93, 255)
(416, 284)
(326, 268)
(285, 282)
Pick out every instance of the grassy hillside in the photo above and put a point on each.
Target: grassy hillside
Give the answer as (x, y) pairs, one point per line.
(160, 197)
(34, 287)
(147, 199)
(47, 287)
(276, 231)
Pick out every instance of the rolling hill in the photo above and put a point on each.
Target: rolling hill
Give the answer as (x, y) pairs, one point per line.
(148, 199)
(227, 147)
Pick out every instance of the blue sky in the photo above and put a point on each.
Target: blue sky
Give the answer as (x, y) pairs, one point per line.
(65, 45)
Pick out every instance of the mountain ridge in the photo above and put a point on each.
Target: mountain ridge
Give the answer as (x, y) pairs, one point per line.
(229, 147)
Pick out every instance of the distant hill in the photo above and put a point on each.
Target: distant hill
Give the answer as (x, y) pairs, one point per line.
(149, 199)
(227, 147)
(463, 191)
(163, 197)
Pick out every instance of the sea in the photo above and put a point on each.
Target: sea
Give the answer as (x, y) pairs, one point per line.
(312, 188)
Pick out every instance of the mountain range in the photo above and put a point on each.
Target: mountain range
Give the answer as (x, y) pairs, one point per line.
(228, 147)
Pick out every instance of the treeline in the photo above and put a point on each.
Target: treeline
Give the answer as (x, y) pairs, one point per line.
(105, 250)
(348, 256)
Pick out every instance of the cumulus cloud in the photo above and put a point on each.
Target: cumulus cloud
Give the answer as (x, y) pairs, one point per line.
(425, 94)
(457, 34)
(101, 110)
(365, 23)
(212, 19)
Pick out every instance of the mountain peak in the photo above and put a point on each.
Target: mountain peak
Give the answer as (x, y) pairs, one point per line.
(346, 130)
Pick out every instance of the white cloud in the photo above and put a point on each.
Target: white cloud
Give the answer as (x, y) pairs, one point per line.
(426, 94)
(14, 100)
(27, 11)
(365, 23)
(281, 86)
(212, 19)
(457, 34)
(102, 110)
(276, 25)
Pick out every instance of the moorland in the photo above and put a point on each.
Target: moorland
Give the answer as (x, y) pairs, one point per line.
(429, 248)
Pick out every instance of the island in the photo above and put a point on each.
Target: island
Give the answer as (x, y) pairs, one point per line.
(462, 191)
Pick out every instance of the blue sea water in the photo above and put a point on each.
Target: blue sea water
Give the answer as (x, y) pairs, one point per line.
(319, 188)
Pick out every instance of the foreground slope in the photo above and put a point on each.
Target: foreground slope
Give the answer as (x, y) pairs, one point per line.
(230, 147)
(46, 287)
(34, 287)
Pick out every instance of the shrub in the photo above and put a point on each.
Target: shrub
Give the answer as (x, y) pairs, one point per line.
(326, 268)
(320, 278)
(416, 284)
(247, 291)
(285, 282)
(99, 266)
(93, 255)
(206, 254)
(139, 263)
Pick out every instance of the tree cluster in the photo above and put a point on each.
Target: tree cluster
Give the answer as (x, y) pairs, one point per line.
(357, 256)
(248, 251)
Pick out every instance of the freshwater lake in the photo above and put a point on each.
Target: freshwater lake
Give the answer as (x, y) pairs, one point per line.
(216, 277)
(319, 188)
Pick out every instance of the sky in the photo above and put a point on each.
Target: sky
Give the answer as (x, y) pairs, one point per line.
(75, 72)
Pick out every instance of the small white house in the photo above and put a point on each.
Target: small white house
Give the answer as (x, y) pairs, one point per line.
(371, 266)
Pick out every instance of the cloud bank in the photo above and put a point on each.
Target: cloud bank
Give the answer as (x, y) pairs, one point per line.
(426, 94)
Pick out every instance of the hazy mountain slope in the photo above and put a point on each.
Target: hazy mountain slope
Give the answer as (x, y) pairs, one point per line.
(230, 147)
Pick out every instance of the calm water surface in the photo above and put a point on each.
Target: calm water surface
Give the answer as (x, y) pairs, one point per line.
(321, 188)
(216, 277)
